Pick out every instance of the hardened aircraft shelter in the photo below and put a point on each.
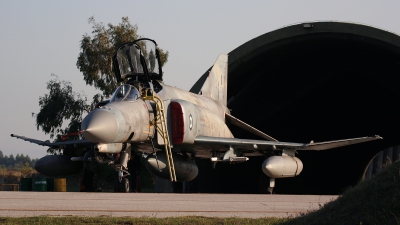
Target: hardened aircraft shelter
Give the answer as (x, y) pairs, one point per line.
(313, 81)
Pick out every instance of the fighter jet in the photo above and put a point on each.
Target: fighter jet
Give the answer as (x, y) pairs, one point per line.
(170, 126)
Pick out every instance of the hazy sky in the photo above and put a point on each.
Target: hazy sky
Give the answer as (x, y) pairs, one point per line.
(38, 38)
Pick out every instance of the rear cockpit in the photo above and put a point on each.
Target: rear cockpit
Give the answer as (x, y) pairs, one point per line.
(138, 63)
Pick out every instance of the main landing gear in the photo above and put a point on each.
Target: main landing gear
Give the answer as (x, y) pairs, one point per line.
(271, 185)
(90, 177)
(89, 182)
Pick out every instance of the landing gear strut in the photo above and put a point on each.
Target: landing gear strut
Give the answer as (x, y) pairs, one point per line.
(271, 185)
(121, 184)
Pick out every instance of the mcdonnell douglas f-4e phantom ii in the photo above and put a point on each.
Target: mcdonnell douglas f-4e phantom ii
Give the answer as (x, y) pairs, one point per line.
(170, 125)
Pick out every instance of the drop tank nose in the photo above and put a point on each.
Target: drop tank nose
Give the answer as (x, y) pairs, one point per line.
(58, 166)
(100, 126)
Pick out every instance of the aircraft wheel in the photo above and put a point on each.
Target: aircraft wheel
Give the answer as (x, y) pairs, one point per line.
(95, 182)
(90, 181)
(271, 190)
(125, 185)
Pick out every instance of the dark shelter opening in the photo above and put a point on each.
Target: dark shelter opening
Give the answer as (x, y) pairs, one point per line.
(322, 82)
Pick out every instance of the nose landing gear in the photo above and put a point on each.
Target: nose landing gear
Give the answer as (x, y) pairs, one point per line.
(122, 186)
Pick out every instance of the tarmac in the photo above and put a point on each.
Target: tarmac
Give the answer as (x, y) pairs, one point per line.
(28, 204)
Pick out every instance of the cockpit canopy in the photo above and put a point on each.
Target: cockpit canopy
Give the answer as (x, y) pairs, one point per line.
(139, 60)
(125, 92)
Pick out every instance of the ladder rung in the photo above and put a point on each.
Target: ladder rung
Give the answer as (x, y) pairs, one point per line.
(161, 127)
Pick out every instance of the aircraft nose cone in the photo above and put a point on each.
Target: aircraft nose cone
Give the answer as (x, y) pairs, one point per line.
(100, 126)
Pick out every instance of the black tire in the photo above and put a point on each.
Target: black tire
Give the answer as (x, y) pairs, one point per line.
(95, 182)
(90, 177)
(125, 185)
(90, 181)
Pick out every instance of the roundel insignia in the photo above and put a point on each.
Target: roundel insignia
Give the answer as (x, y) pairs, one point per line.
(190, 122)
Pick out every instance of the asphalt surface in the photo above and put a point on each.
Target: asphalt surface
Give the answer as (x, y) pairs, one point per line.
(20, 204)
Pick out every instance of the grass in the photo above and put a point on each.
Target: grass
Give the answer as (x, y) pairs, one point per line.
(375, 201)
(139, 221)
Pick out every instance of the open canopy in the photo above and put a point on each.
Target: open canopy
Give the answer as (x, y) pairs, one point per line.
(139, 60)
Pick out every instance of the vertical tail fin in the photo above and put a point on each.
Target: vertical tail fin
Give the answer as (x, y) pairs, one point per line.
(216, 84)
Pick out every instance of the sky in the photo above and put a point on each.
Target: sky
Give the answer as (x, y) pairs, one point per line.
(40, 38)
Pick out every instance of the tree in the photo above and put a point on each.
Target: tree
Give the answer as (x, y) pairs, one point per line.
(10, 161)
(59, 105)
(95, 62)
(95, 59)
(18, 161)
(27, 170)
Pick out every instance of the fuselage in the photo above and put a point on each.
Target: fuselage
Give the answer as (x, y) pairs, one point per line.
(128, 120)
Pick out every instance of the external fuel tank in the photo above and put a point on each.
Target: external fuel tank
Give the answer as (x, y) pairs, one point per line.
(282, 166)
(185, 168)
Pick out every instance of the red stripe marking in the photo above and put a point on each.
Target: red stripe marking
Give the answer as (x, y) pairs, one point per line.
(178, 124)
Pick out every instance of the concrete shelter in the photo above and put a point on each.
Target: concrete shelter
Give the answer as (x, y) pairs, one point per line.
(315, 81)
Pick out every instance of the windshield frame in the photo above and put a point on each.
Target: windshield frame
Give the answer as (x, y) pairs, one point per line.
(129, 93)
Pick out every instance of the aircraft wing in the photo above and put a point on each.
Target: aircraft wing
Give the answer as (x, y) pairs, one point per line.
(338, 143)
(82, 142)
(55, 144)
(250, 144)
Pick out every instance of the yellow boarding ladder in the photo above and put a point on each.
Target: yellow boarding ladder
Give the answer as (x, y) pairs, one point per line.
(161, 125)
